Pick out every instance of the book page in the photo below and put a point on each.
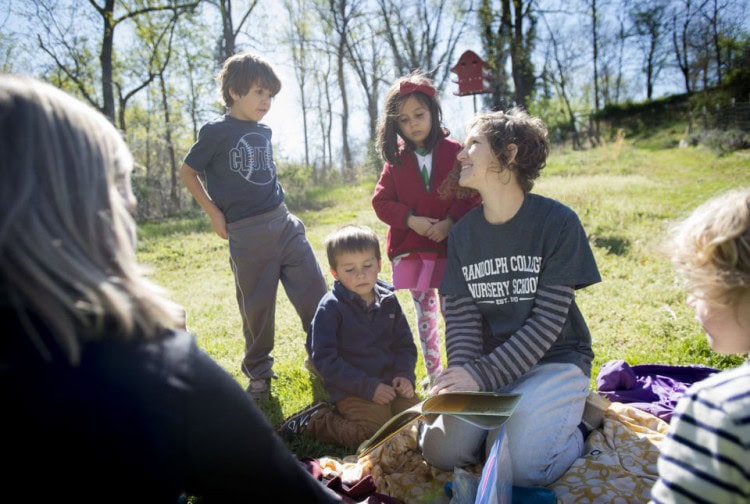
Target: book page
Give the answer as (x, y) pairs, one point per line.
(389, 429)
(487, 410)
(474, 403)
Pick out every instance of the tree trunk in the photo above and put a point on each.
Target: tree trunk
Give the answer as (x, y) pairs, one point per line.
(227, 30)
(680, 44)
(595, 43)
(105, 60)
(521, 46)
(348, 167)
(650, 72)
(714, 21)
(495, 46)
(174, 193)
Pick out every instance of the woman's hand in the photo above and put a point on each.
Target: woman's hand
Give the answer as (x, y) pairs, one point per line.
(454, 379)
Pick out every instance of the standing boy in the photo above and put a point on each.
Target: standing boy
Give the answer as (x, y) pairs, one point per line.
(245, 203)
(361, 346)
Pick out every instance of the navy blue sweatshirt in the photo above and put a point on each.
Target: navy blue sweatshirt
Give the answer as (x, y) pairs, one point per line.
(355, 347)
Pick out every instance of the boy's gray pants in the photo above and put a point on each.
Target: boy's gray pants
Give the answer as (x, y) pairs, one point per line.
(263, 250)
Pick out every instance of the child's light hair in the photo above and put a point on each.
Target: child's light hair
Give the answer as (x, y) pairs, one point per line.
(241, 71)
(413, 85)
(67, 257)
(711, 248)
(351, 238)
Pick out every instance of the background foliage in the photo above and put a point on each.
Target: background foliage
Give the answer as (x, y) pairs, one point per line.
(582, 65)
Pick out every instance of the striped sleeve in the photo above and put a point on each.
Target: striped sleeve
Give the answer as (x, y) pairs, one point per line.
(463, 330)
(513, 358)
(706, 454)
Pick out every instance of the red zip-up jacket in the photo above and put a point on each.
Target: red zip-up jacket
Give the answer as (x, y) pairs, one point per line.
(400, 193)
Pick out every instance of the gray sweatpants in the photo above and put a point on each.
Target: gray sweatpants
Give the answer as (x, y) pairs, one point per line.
(263, 250)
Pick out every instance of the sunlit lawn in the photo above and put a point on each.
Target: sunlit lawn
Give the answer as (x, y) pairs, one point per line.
(625, 196)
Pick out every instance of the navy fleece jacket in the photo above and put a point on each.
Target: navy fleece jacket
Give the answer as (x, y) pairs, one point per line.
(355, 348)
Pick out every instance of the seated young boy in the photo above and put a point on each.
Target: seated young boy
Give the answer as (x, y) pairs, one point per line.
(361, 347)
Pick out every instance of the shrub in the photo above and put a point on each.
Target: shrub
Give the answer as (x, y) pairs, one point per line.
(299, 186)
(721, 141)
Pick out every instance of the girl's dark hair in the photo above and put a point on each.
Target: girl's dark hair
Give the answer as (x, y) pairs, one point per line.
(388, 130)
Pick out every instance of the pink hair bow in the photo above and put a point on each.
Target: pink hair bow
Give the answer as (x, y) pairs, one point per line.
(410, 87)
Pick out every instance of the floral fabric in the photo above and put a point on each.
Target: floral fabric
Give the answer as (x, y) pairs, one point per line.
(619, 465)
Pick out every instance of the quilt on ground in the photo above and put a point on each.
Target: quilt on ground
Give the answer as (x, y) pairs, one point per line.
(619, 466)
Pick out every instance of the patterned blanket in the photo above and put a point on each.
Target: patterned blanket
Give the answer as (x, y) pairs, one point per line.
(619, 466)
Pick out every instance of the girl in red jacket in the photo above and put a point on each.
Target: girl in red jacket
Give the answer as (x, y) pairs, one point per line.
(418, 158)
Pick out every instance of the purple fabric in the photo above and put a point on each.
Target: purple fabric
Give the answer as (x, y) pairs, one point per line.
(654, 388)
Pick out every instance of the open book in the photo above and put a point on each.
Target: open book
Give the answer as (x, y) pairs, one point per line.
(488, 410)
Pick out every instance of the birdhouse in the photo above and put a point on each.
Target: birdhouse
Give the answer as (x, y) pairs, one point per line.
(473, 77)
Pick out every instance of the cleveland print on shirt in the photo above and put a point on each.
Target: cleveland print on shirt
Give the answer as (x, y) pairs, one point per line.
(252, 158)
(502, 280)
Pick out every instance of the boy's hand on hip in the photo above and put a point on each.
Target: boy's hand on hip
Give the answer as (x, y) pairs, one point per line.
(384, 394)
(219, 225)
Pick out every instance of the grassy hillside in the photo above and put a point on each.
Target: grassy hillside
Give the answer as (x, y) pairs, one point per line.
(626, 196)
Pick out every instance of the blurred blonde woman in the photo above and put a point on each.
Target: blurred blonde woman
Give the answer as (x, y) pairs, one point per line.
(706, 455)
(104, 398)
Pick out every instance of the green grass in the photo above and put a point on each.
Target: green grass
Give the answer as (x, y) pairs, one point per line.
(626, 196)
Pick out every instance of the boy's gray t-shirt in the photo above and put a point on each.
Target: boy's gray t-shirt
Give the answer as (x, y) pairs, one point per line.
(501, 266)
(236, 160)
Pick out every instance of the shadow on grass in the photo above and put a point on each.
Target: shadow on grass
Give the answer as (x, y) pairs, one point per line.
(613, 244)
(271, 408)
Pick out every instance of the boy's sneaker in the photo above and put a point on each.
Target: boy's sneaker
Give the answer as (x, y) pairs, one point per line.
(296, 423)
(260, 389)
(593, 413)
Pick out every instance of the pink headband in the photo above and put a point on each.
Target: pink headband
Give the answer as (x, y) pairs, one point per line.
(410, 87)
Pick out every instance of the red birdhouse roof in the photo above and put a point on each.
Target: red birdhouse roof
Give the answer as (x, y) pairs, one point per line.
(472, 77)
(469, 58)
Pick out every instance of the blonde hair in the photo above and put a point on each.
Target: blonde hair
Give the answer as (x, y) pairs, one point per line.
(711, 248)
(241, 71)
(66, 237)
